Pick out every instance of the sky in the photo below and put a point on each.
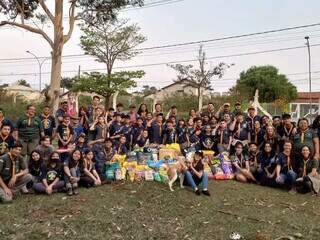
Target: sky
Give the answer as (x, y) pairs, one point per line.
(186, 21)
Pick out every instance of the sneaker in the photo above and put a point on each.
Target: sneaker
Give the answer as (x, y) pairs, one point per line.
(198, 192)
(75, 191)
(206, 192)
(69, 192)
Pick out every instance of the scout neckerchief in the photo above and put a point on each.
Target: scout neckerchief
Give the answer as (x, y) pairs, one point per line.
(240, 158)
(29, 120)
(305, 162)
(13, 162)
(45, 120)
(288, 133)
(303, 135)
(3, 137)
(255, 161)
(256, 135)
(66, 132)
(160, 129)
(252, 121)
(119, 148)
(3, 144)
(288, 161)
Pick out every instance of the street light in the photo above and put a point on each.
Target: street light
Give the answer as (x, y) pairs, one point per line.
(40, 66)
(310, 98)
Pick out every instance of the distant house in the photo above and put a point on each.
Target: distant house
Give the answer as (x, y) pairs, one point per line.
(301, 106)
(26, 93)
(175, 89)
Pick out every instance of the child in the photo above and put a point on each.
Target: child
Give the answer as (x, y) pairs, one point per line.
(72, 172)
(195, 174)
(143, 140)
(48, 122)
(77, 128)
(223, 137)
(169, 135)
(51, 176)
(64, 133)
(240, 165)
(207, 139)
(89, 176)
(121, 147)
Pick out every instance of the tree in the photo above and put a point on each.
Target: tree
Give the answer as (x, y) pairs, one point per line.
(199, 78)
(23, 82)
(112, 41)
(147, 90)
(106, 84)
(272, 86)
(30, 11)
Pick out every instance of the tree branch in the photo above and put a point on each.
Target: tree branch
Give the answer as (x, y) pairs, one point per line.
(30, 29)
(46, 10)
(72, 19)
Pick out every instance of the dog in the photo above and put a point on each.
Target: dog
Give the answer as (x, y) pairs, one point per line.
(175, 171)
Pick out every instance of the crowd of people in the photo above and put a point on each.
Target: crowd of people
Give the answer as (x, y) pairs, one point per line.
(273, 152)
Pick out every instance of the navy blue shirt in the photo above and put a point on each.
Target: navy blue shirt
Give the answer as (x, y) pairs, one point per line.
(48, 124)
(156, 133)
(115, 129)
(181, 134)
(136, 132)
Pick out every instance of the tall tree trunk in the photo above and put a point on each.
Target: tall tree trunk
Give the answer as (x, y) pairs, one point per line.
(107, 102)
(56, 55)
(114, 99)
(200, 99)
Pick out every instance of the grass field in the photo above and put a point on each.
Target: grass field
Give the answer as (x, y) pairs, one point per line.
(150, 211)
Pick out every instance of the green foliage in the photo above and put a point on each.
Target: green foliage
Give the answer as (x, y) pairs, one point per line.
(268, 81)
(184, 103)
(106, 84)
(111, 41)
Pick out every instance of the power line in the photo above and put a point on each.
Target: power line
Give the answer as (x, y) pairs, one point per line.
(175, 62)
(191, 43)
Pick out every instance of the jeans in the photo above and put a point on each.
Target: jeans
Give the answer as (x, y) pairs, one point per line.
(287, 178)
(40, 188)
(190, 180)
(20, 183)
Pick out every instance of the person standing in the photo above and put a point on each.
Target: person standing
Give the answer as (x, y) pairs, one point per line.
(14, 174)
(48, 122)
(30, 130)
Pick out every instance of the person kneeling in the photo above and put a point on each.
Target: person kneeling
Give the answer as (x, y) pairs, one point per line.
(51, 176)
(89, 176)
(241, 166)
(14, 174)
(195, 174)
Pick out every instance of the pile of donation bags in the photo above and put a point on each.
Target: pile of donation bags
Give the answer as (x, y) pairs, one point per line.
(151, 164)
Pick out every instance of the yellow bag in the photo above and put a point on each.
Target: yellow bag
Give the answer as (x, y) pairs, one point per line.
(119, 158)
(167, 153)
(174, 146)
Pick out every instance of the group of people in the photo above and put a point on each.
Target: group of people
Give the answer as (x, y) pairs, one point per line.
(271, 152)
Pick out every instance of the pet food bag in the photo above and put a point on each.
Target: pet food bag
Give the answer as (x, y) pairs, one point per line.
(148, 175)
(156, 177)
(167, 154)
(119, 158)
(174, 146)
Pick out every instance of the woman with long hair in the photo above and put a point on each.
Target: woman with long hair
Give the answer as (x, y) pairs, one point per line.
(267, 162)
(308, 167)
(71, 167)
(89, 176)
(143, 111)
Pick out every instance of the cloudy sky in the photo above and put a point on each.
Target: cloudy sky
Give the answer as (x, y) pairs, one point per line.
(186, 21)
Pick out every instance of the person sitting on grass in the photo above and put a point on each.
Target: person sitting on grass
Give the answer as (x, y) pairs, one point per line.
(285, 174)
(72, 172)
(307, 171)
(51, 176)
(89, 176)
(254, 166)
(14, 174)
(35, 163)
(195, 174)
(267, 161)
(121, 146)
(241, 166)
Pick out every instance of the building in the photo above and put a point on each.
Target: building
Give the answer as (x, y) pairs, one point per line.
(26, 93)
(176, 88)
(301, 106)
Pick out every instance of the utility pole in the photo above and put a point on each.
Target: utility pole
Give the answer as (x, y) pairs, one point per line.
(310, 88)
